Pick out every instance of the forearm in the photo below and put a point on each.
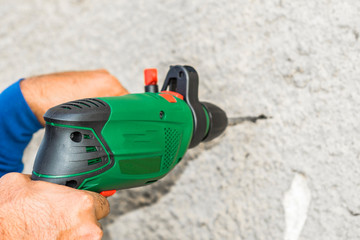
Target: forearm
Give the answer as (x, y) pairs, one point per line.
(24, 103)
(44, 92)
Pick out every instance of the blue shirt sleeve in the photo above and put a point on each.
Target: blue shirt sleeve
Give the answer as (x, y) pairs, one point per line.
(17, 126)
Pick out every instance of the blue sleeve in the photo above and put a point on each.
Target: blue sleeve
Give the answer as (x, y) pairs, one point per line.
(17, 125)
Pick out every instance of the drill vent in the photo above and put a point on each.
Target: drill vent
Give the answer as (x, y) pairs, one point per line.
(84, 103)
(172, 138)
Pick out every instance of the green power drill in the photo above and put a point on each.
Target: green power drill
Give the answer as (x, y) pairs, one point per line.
(111, 143)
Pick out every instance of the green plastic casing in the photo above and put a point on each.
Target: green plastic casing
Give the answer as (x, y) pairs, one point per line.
(147, 136)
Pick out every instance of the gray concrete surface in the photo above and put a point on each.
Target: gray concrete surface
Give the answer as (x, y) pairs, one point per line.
(292, 176)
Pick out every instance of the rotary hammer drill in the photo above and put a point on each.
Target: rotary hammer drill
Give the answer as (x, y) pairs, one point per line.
(111, 143)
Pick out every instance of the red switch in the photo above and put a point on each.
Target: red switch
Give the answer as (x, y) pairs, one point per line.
(175, 94)
(108, 193)
(150, 75)
(170, 98)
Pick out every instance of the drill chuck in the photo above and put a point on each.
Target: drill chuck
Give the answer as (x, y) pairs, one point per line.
(217, 121)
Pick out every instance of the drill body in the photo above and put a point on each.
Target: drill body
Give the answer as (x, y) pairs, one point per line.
(111, 143)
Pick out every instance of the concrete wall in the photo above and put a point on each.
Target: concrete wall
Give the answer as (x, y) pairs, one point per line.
(291, 176)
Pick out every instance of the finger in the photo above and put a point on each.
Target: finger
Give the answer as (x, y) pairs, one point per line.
(15, 178)
(101, 204)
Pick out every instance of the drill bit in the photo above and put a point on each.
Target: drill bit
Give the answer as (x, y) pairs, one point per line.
(237, 120)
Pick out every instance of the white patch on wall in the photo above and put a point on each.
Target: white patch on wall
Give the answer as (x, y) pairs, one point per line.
(31, 150)
(296, 202)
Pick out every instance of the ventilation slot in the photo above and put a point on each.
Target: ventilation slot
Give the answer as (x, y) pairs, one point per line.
(88, 101)
(94, 99)
(74, 105)
(91, 149)
(172, 137)
(94, 161)
(82, 103)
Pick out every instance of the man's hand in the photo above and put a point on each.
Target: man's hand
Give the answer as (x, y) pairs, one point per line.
(46, 91)
(41, 210)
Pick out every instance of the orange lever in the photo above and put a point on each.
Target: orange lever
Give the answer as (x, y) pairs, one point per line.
(150, 75)
(108, 193)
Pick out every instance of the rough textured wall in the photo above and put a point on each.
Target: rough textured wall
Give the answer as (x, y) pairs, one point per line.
(291, 176)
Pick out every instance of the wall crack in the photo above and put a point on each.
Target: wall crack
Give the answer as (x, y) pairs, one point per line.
(237, 120)
(353, 213)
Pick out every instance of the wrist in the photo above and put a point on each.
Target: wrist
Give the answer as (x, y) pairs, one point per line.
(30, 94)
